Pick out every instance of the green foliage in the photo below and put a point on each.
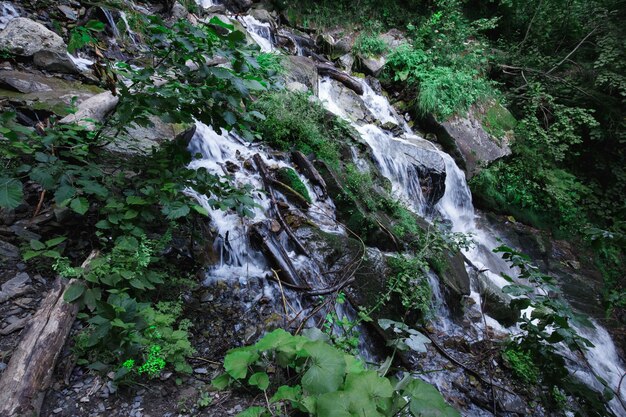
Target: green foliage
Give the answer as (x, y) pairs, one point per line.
(445, 61)
(408, 281)
(328, 382)
(124, 204)
(85, 35)
(369, 45)
(341, 331)
(294, 121)
(119, 325)
(291, 178)
(522, 364)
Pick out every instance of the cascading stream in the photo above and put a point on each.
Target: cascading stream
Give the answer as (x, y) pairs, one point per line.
(455, 206)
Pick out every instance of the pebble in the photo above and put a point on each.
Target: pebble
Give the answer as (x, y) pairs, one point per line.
(57, 410)
(3, 366)
(202, 371)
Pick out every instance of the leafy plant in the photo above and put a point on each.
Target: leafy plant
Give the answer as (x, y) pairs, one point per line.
(328, 383)
(85, 35)
(369, 45)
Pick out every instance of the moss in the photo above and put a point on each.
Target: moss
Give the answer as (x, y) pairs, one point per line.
(497, 120)
(291, 178)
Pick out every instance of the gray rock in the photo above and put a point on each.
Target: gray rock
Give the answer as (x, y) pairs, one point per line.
(263, 16)
(23, 82)
(475, 146)
(141, 139)
(178, 11)
(497, 304)
(95, 108)
(302, 70)
(202, 371)
(3, 366)
(36, 90)
(68, 12)
(296, 86)
(26, 38)
(9, 251)
(349, 101)
(429, 164)
(372, 65)
(346, 62)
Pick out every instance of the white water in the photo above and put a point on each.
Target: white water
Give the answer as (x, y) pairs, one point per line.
(259, 31)
(205, 3)
(455, 206)
(131, 35)
(7, 13)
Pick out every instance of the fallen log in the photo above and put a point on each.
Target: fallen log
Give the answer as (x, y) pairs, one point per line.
(26, 379)
(309, 171)
(267, 182)
(342, 77)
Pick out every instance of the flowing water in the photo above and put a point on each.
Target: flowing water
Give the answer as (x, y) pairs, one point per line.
(7, 13)
(396, 155)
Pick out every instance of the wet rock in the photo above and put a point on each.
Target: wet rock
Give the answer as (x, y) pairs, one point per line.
(238, 6)
(94, 108)
(9, 251)
(27, 38)
(469, 142)
(346, 62)
(349, 101)
(262, 16)
(497, 304)
(301, 69)
(141, 139)
(429, 165)
(454, 275)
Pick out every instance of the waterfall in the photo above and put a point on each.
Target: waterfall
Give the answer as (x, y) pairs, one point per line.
(260, 32)
(394, 153)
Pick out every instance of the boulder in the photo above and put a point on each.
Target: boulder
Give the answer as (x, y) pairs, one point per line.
(301, 69)
(93, 109)
(468, 141)
(178, 11)
(34, 90)
(372, 65)
(26, 38)
(429, 164)
(263, 16)
(350, 102)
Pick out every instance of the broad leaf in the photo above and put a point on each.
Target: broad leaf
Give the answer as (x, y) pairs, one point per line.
(426, 401)
(74, 292)
(326, 368)
(260, 379)
(80, 205)
(236, 363)
(11, 193)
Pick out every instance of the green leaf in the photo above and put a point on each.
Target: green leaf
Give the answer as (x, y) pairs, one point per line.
(134, 200)
(260, 379)
(221, 381)
(253, 412)
(368, 383)
(53, 242)
(200, 209)
(64, 193)
(236, 363)
(517, 289)
(74, 292)
(175, 210)
(287, 393)
(334, 404)
(11, 193)
(37, 245)
(29, 254)
(80, 205)
(417, 342)
(426, 401)
(326, 368)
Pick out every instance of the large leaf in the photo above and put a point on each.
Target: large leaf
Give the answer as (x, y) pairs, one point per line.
(74, 292)
(426, 401)
(236, 363)
(253, 412)
(334, 404)
(11, 193)
(326, 368)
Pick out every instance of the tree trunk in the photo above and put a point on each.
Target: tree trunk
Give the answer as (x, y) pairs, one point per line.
(24, 382)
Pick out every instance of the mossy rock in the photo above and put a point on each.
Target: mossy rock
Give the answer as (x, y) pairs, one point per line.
(290, 178)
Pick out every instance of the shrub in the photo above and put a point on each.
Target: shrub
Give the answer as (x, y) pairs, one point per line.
(369, 45)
